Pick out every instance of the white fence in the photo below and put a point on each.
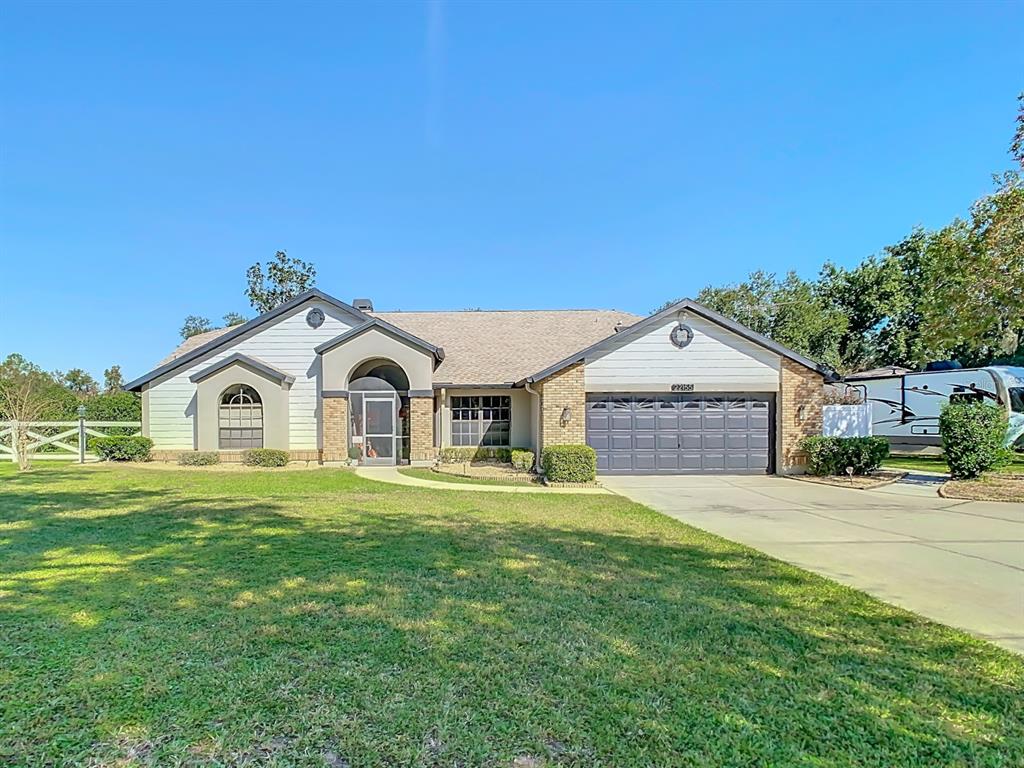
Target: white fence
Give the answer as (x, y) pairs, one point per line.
(846, 420)
(60, 440)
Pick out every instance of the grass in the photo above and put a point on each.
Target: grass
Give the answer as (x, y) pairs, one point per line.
(425, 473)
(938, 463)
(316, 618)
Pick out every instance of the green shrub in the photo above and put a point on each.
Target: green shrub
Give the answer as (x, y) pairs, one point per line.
(121, 447)
(832, 455)
(522, 459)
(264, 457)
(972, 438)
(198, 458)
(569, 463)
(354, 453)
(462, 454)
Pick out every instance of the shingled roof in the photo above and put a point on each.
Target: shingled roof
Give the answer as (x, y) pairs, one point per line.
(488, 347)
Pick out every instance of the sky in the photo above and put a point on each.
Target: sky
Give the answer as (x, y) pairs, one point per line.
(447, 155)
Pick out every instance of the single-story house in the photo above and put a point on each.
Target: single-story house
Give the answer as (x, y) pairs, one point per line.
(684, 390)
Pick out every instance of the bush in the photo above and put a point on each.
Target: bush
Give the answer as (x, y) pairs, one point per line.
(354, 453)
(972, 438)
(264, 457)
(121, 447)
(462, 454)
(832, 455)
(198, 458)
(569, 463)
(522, 459)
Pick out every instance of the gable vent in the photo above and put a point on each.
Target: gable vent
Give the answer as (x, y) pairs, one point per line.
(363, 305)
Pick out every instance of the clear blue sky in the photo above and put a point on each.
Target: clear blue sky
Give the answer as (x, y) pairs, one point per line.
(452, 155)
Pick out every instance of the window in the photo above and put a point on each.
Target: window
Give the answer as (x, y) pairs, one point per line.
(1017, 399)
(240, 419)
(482, 420)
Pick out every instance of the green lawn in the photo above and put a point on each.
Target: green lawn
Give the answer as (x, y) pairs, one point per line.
(938, 463)
(159, 617)
(425, 473)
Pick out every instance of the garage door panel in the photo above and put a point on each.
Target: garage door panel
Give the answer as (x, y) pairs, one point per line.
(680, 433)
(644, 441)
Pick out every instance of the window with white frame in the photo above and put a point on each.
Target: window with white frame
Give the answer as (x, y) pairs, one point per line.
(482, 420)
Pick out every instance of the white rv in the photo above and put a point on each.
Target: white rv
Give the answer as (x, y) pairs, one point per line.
(905, 405)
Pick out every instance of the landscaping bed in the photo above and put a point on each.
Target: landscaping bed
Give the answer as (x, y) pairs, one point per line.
(876, 479)
(437, 475)
(990, 487)
(485, 470)
(319, 618)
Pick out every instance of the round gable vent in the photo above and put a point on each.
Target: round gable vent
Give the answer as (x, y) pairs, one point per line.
(681, 335)
(315, 317)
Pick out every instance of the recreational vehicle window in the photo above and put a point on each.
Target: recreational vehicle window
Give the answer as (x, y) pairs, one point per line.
(1017, 399)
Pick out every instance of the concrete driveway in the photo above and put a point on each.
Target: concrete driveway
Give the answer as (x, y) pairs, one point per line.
(957, 562)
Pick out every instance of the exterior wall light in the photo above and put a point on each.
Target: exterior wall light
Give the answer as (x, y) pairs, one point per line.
(801, 412)
(566, 415)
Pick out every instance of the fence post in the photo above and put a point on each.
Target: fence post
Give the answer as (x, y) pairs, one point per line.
(14, 442)
(81, 434)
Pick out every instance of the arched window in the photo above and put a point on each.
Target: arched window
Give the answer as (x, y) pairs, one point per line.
(241, 418)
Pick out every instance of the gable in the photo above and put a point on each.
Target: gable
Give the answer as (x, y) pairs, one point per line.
(716, 359)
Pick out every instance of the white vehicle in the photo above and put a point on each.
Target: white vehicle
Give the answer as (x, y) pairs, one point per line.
(905, 406)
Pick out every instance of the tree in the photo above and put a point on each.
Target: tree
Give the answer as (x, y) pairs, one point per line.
(285, 279)
(194, 325)
(233, 318)
(80, 383)
(1017, 145)
(26, 393)
(113, 381)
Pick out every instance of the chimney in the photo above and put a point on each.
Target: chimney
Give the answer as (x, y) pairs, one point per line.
(363, 305)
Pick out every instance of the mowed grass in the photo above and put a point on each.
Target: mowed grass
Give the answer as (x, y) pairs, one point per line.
(315, 618)
(938, 463)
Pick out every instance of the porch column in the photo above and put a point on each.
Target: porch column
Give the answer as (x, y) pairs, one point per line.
(421, 429)
(335, 423)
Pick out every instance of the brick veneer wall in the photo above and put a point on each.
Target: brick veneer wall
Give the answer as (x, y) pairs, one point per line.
(798, 386)
(562, 389)
(335, 422)
(421, 429)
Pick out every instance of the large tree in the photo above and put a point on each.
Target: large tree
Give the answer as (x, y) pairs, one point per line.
(113, 381)
(80, 383)
(285, 278)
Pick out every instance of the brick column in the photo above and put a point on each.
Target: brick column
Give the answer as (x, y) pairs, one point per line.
(421, 429)
(798, 386)
(557, 392)
(335, 424)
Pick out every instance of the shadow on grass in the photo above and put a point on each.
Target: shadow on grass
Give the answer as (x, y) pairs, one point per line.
(427, 628)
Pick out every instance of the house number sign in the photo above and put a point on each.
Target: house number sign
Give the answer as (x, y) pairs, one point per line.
(682, 387)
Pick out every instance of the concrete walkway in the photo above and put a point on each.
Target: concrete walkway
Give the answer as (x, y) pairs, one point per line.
(957, 562)
(393, 476)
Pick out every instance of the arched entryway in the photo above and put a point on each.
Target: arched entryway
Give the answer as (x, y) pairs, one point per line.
(379, 412)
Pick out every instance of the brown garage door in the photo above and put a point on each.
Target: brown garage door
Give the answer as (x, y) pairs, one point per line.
(679, 434)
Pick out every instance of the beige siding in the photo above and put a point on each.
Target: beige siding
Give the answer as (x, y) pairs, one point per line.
(287, 344)
(717, 360)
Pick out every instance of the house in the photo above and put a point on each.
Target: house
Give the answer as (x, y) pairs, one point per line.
(684, 390)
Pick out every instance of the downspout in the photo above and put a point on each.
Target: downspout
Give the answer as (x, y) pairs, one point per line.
(536, 426)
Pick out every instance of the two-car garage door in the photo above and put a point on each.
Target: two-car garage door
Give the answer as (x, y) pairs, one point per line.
(681, 433)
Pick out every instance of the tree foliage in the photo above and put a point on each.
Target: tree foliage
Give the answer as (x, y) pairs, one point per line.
(233, 318)
(285, 278)
(194, 325)
(113, 381)
(80, 382)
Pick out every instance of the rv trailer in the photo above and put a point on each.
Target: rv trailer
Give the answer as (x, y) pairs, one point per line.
(905, 406)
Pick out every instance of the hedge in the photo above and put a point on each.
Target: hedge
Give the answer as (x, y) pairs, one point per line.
(832, 455)
(522, 460)
(198, 458)
(265, 457)
(972, 438)
(121, 447)
(462, 454)
(569, 463)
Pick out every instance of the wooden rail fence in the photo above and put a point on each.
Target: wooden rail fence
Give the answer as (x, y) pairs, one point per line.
(61, 440)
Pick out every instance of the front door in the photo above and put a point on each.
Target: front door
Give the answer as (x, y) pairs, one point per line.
(379, 416)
